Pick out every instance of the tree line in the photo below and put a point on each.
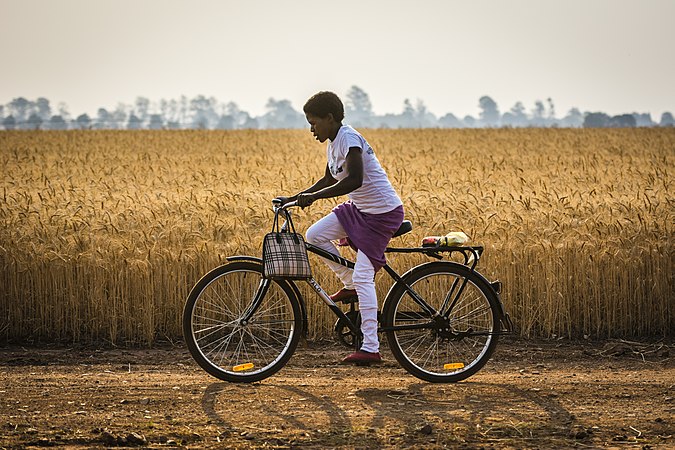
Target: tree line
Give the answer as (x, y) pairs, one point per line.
(203, 112)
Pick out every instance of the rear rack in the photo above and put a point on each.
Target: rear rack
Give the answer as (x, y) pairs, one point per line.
(471, 253)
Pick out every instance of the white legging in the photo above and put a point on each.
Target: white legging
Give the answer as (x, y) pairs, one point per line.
(362, 278)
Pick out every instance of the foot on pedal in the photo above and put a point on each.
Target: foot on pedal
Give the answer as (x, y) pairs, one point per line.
(345, 295)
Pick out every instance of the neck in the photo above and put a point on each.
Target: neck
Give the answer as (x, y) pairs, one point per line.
(334, 132)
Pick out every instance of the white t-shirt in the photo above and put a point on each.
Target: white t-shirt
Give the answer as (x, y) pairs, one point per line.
(376, 194)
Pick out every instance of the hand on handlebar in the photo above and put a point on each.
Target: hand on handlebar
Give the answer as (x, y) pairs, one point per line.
(305, 200)
(302, 200)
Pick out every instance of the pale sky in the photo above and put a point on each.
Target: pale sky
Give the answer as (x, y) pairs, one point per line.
(614, 56)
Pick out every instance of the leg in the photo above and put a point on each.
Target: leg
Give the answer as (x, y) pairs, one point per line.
(321, 234)
(364, 283)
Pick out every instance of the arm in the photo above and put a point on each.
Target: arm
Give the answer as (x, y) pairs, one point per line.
(353, 181)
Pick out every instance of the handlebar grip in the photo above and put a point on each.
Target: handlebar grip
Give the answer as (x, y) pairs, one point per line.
(276, 203)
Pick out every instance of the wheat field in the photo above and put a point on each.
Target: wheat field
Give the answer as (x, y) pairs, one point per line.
(103, 233)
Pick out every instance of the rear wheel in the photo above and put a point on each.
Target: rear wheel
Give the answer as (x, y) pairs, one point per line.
(223, 341)
(442, 349)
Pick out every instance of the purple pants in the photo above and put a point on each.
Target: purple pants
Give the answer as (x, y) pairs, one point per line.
(369, 233)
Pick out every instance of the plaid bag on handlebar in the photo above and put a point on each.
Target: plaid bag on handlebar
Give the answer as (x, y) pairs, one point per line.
(284, 253)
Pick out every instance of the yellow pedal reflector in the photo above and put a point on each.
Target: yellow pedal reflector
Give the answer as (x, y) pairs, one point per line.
(242, 367)
(453, 366)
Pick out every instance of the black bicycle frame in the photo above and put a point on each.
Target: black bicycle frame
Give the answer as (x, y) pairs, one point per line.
(433, 314)
(329, 302)
(392, 273)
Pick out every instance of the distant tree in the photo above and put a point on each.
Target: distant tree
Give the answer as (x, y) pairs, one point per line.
(118, 117)
(183, 110)
(469, 122)
(667, 120)
(240, 118)
(63, 111)
(423, 117)
(515, 117)
(57, 123)
(250, 123)
(519, 113)
(203, 111)
(134, 122)
(449, 121)
(83, 121)
(103, 119)
(622, 121)
(643, 120)
(551, 109)
(43, 109)
(410, 117)
(225, 122)
(280, 114)
(489, 114)
(408, 110)
(508, 120)
(19, 108)
(34, 122)
(538, 114)
(141, 108)
(358, 108)
(573, 119)
(156, 122)
(596, 120)
(9, 123)
(170, 110)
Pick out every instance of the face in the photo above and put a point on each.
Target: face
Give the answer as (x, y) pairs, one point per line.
(321, 127)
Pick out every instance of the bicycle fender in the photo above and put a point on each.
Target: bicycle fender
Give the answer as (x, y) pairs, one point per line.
(402, 281)
(291, 283)
(244, 258)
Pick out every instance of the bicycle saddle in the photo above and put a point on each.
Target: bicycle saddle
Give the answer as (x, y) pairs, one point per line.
(405, 227)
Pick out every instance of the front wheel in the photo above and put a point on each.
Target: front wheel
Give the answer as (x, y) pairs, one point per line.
(451, 346)
(221, 336)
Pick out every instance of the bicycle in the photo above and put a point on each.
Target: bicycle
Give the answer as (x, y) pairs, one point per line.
(442, 319)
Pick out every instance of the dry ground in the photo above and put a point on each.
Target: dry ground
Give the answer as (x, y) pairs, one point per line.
(613, 394)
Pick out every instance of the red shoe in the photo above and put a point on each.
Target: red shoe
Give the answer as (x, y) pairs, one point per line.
(345, 295)
(361, 358)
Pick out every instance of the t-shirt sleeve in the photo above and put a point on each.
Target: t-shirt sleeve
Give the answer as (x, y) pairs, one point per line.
(352, 140)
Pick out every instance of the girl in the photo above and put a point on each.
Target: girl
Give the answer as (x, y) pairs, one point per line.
(368, 220)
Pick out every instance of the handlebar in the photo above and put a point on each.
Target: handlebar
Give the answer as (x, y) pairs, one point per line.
(276, 204)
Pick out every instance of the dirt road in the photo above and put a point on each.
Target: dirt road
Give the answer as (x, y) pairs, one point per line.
(530, 395)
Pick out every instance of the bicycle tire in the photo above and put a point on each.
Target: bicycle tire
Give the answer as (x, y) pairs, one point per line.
(435, 354)
(221, 343)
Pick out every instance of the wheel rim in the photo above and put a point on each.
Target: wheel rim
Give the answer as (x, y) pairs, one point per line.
(439, 353)
(227, 343)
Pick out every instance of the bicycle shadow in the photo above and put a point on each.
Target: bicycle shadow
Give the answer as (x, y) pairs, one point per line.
(283, 406)
(473, 408)
(469, 405)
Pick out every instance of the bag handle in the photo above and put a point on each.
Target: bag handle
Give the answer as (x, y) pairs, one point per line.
(276, 229)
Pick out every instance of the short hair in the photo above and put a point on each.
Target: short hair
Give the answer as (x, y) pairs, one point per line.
(323, 103)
